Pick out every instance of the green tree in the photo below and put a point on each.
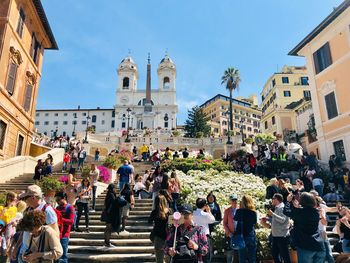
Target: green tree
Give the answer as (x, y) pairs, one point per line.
(231, 79)
(196, 124)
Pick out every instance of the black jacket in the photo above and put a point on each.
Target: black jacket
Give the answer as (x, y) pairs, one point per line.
(113, 205)
(305, 233)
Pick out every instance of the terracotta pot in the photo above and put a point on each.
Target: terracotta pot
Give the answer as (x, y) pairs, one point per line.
(268, 261)
(293, 256)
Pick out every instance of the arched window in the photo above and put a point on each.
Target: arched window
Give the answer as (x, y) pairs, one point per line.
(93, 119)
(166, 83)
(166, 120)
(126, 83)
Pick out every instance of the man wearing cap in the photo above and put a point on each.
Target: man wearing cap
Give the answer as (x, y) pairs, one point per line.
(67, 213)
(190, 240)
(34, 200)
(202, 216)
(229, 225)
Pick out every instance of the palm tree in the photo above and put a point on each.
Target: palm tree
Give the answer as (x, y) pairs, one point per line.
(231, 79)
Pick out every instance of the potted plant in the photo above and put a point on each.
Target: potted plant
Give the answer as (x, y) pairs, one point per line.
(50, 185)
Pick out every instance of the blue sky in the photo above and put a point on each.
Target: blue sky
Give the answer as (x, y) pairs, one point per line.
(202, 37)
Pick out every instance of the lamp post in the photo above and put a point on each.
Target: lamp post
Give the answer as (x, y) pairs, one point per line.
(74, 123)
(128, 110)
(87, 126)
(243, 144)
(228, 129)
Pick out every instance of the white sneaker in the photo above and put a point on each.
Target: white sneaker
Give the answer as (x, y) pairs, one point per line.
(92, 211)
(110, 246)
(124, 232)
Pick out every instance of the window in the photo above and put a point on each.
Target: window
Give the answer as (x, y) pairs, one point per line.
(339, 150)
(285, 80)
(113, 113)
(74, 122)
(65, 114)
(166, 83)
(103, 114)
(46, 114)
(37, 114)
(46, 123)
(166, 120)
(249, 129)
(266, 125)
(304, 81)
(307, 94)
(123, 124)
(37, 123)
(126, 83)
(55, 123)
(331, 105)
(84, 113)
(65, 122)
(20, 24)
(11, 78)
(83, 122)
(273, 119)
(102, 122)
(236, 117)
(242, 119)
(322, 58)
(113, 124)
(286, 93)
(56, 114)
(19, 145)
(273, 82)
(93, 119)
(34, 49)
(28, 97)
(3, 127)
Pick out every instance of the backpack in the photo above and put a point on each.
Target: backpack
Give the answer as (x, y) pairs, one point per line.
(59, 216)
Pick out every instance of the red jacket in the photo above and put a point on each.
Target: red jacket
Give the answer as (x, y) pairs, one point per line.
(66, 158)
(228, 221)
(67, 219)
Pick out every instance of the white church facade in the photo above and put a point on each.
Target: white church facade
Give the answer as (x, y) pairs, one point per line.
(135, 108)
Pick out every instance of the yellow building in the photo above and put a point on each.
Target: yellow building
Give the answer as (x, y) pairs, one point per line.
(246, 115)
(24, 35)
(281, 89)
(327, 53)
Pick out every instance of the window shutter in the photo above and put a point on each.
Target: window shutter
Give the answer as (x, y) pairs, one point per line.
(32, 46)
(331, 106)
(28, 97)
(317, 67)
(328, 54)
(11, 78)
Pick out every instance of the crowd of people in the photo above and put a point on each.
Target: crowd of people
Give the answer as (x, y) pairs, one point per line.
(35, 229)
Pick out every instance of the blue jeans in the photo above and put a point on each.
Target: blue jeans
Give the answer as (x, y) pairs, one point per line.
(64, 244)
(345, 245)
(121, 185)
(229, 256)
(175, 197)
(308, 256)
(249, 252)
(329, 256)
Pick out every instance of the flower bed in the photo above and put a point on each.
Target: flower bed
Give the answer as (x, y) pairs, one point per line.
(187, 164)
(199, 183)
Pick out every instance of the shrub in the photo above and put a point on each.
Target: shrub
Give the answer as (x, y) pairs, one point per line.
(188, 164)
(111, 162)
(50, 184)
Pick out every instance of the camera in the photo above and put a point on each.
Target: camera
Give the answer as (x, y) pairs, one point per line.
(268, 206)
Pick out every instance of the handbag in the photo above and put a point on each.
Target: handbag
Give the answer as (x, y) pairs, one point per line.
(237, 241)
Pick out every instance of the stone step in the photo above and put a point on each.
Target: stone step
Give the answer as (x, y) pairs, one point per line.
(100, 235)
(116, 250)
(97, 222)
(101, 228)
(116, 242)
(100, 258)
(131, 217)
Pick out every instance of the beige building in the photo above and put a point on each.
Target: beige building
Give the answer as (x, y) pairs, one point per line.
(246, 115)
(24, 35)
(327, 53)
(281, 89)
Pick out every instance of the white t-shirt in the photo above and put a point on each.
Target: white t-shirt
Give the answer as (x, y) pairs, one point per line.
(203, 219)
(322, 227)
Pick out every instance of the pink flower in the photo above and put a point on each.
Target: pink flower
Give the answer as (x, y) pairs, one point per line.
(206, 161)
(104, 174)
(63, 179)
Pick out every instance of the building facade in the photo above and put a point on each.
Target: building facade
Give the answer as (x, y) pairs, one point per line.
(246, 115)
(281, 89)
(67, 122)
(327, 53)
(136, 109)
(149, 108)
(24, 35)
